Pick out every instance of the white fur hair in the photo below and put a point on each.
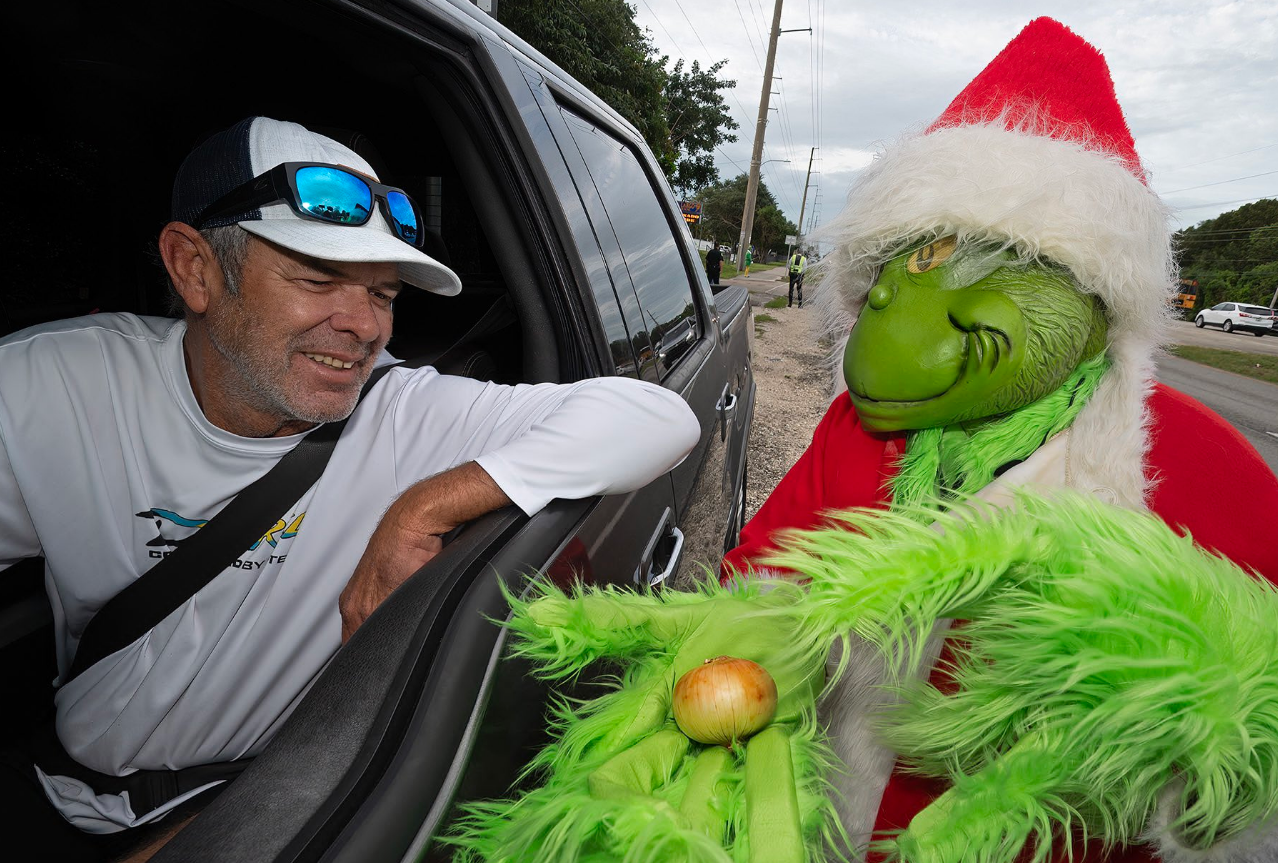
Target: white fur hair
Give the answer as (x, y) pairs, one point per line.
(1051, 198)
(1257, 844)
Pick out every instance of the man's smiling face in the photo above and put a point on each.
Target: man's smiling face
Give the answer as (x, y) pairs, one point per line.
(298, 341)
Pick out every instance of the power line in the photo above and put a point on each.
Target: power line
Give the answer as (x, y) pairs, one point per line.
(729, 158)
(756, 17)
(745, 115)
(1235, 230)
(749, 38)
(1205, 239)
(1224, 203)
(1221, 183)
(1218, 158)
(693, 28)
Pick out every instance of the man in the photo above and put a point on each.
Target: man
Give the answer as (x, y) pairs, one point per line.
(749, 259)
(798, 263)
(714, 264)
(287, 257)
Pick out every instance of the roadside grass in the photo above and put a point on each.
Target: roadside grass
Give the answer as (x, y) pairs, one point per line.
(1258, 366)
(760, 320)
(775, 303)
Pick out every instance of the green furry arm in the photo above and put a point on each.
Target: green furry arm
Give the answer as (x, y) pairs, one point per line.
(563, 633)
(1104, 659)
(889, 578)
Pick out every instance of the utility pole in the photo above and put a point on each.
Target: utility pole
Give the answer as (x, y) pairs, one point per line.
(804, 206)
(756, 155)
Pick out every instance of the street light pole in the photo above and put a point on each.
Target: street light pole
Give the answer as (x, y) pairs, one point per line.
(752, 185)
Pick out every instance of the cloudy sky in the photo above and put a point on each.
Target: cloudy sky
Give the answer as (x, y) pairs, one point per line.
(1198, 81)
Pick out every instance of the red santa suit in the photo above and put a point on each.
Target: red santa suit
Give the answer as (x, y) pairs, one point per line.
(1033, 154)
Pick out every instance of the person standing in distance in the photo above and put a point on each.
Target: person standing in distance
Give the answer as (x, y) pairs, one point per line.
(798, 263)
(714, 264)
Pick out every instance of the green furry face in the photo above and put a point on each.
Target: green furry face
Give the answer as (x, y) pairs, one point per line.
(954, 333)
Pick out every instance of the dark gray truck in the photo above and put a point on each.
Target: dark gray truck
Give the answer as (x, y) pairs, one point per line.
(576, 263)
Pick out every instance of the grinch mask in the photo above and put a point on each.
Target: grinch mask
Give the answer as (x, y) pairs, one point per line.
(954, 332)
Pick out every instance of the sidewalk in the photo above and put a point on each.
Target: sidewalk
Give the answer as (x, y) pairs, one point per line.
(764, 285)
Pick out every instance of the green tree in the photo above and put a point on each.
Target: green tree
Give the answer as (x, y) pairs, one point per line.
(1233, 257)
(721, 206)
(699, 122)
(680, 113)
(770, 229)
(598, 43)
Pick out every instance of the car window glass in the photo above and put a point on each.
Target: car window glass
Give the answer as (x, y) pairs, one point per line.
(668, 322)
(1255, 310)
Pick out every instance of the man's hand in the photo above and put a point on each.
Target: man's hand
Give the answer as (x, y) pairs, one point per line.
(409, 536)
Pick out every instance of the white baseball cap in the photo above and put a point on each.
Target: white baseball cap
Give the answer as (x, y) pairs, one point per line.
(252, 147)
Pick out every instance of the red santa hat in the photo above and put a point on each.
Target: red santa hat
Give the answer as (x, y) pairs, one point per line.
(1034, 153)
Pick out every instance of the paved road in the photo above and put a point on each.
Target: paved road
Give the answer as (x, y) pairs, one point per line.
(1185, 333)
(1251, 406)
(766, 284)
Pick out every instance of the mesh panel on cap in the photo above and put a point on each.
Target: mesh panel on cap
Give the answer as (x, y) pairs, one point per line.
(211, 170)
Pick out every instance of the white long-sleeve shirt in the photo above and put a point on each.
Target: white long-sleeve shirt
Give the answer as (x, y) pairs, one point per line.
(106, 461)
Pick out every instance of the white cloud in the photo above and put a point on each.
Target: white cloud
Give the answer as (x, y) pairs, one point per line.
(1195, 78)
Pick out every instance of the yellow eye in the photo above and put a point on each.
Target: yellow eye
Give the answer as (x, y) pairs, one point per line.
(931, 256)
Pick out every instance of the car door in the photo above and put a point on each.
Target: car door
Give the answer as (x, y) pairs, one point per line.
(667, 315)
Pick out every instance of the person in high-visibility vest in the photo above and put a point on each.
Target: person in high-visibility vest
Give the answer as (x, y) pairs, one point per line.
(798, 263)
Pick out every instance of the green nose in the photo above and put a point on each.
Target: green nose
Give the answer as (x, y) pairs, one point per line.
(880, 296)
(904, 346)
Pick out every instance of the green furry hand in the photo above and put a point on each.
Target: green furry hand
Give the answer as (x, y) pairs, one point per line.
(682, 635)
(622, 781)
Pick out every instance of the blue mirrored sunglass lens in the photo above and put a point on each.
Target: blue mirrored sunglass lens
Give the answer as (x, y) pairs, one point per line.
(334, 195)
(404, 216)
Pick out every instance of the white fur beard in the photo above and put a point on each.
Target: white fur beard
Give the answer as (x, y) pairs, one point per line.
(1257, 844)
(848, 712)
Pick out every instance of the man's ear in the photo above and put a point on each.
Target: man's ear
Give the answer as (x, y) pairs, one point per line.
(191, 264)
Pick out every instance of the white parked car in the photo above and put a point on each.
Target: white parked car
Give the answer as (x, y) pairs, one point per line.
(1256, 320)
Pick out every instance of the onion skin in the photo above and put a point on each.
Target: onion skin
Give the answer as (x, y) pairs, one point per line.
(723, 700)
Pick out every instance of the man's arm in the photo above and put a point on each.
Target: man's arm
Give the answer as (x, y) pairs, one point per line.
(524, 445)
(545, 441)
(409, 536)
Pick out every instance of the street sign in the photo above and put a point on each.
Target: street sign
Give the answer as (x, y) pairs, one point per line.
(691, 211)
(791, 239)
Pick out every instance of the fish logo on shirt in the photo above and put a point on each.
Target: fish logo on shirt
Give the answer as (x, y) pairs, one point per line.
(281, 530)
(163, 515)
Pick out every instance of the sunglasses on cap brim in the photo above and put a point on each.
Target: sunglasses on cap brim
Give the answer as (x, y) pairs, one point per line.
(324, 193)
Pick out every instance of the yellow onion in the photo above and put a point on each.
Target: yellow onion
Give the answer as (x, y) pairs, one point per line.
(724, 699)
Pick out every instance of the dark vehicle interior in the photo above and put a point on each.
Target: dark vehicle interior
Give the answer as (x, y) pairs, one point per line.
(117, 101)
(107, 98)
